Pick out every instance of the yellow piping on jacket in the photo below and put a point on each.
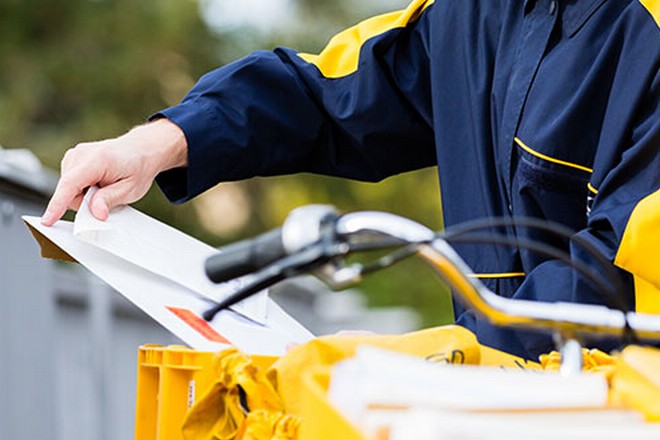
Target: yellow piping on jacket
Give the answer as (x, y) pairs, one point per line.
(342, 54)
(522, 145)
(497, 275)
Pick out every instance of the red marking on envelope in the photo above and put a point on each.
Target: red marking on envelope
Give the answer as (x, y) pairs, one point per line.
(198, 324)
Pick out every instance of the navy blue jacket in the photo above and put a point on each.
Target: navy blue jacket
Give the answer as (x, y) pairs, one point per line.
(538, 108)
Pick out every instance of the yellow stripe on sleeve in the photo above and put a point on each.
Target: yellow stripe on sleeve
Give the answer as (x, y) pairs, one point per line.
(340, 57)
(653, 6)
(522, 145)
(639, 253)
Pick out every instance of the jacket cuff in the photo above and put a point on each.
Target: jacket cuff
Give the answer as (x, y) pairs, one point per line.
(196, 121)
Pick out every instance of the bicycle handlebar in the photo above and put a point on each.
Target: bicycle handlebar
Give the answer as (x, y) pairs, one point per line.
(244, 257)
(303, 230)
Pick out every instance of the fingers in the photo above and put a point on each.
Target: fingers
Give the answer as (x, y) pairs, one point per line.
(79, 171)
(99, 207)
(108, 197)
(69, 197)
(123, 168)
(66, 195)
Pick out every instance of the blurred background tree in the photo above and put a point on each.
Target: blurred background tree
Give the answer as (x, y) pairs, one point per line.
(78, 70)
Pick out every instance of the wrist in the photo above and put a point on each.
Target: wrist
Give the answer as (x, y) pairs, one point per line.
(163, 143)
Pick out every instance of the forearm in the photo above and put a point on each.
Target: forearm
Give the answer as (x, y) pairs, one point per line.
(161, 142)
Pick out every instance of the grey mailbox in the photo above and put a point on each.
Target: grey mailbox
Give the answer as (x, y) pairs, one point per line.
(68, 342)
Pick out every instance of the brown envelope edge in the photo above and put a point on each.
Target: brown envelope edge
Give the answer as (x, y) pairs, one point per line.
(48, 248)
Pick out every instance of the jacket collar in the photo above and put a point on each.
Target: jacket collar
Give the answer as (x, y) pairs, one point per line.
(577, 12)
(574, 12)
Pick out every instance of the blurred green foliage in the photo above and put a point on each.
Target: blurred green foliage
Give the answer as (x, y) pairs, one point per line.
(80, 70)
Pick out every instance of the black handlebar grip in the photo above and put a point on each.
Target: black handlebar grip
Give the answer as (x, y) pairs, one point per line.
(244, 257)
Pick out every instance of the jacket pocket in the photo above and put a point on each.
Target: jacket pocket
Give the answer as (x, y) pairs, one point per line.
(549, 188)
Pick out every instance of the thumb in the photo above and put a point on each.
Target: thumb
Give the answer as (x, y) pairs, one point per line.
(105, 199)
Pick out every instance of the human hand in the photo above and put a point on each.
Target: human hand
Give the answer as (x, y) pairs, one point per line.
(123, 168)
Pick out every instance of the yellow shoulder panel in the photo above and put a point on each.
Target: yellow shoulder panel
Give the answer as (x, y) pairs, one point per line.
(639, 253)
(340, 57)
(653, 6)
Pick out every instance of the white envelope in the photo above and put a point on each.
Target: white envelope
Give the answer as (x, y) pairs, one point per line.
(163, 250)
(160, 270)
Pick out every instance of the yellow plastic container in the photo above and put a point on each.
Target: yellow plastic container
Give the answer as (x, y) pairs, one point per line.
(320, 420)
(168, 382)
